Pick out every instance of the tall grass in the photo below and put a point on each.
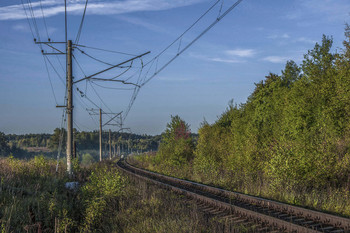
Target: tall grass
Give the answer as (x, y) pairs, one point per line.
(332, 200)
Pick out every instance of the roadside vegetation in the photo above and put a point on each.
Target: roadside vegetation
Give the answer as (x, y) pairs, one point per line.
(290, 141)
(33, 198)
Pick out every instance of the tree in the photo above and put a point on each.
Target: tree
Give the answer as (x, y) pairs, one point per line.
(87, 159)
(176, 147)
(291, 73)
(56, 138)
(4, 147)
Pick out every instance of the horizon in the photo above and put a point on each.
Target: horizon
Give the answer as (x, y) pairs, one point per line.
(196, 86)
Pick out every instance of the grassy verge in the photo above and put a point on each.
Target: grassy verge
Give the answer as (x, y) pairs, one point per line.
(332, 200)
(33, 198)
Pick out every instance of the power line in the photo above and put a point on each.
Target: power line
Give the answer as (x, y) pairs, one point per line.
(65, 20)
(106, 50)
(81, 23)
(146, 80)
(193, 41)
(94, 58)
(42, 11)
(81, 69)
(30, 26)
(53, 67)
(189, 28)
(114, 88)
(30, 7)
(100, 98)
(48, 74)
(60, 139)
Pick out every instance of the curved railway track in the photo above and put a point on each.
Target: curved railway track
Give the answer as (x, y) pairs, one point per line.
(276, 216)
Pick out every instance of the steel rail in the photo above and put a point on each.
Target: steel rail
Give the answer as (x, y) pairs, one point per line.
(276, 214)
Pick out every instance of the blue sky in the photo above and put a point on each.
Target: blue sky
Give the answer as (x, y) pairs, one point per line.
(256, 38)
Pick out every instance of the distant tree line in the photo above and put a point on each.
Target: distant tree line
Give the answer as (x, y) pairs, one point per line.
(125, 142)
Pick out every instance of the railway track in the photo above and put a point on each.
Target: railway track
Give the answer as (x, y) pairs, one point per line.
(276, 216)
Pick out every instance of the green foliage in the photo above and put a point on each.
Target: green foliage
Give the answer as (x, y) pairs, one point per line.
(87, 159)
(57, 136)
(290, 140)
(291, 134)
(33, 196)
(176, 147)
(106, 183)
(104, 186)
(4, 147)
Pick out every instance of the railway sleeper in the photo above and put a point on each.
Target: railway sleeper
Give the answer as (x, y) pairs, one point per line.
(282, 209)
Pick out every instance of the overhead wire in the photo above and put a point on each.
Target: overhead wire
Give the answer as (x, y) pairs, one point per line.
(114, 88)
(193, 41)
(142, 78)
(81, 69)
(94, 58)
(100, 98)
(42, 12)
(53, 67)
(189, 28)
(63, 120)
(109, 109)
(48, 74)
(30, 26)
(30, 7)
(81, 24)
(62, 130)
(106, 50)
(65, 21)
(146, 80)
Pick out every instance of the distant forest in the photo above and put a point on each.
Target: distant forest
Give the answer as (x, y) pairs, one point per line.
(29, 145)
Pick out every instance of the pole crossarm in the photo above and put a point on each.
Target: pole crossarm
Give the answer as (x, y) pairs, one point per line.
(55, 48)
(53, 53)
(112, 118)
(48, 43)
(107, 123)
(113, 80)
(102, 71)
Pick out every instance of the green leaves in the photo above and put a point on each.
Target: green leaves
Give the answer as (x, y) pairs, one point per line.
(176, 147)
(293, 131)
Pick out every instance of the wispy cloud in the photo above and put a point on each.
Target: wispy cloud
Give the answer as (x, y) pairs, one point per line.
(306, 40)
(241, 52)
(142, 23)
(276, 36)
(103, 7)
(332, 10)
(173, 79)
(216, 58)
(228, 56)
(21, 28)
(276, 59)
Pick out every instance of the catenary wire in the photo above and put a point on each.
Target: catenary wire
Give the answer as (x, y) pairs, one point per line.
(193, 41)
(42, 12)
(49, 76)
(106, 50)
(94, 58)
(189, 28)
(81, 23)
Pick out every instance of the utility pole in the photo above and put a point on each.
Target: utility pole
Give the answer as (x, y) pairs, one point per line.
(110, 145)
(69, 108)
(100, 134)
(100, 113)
